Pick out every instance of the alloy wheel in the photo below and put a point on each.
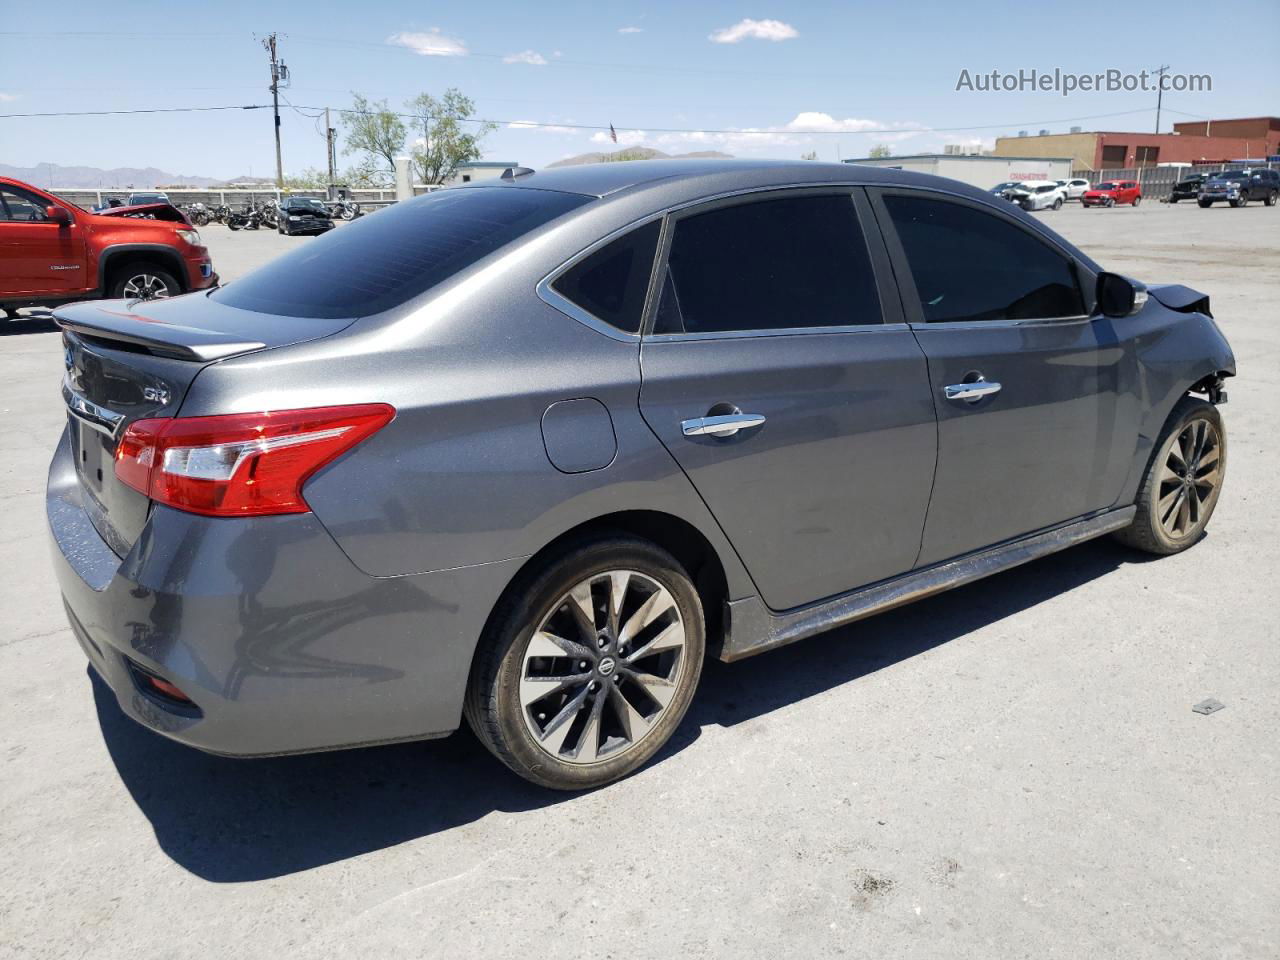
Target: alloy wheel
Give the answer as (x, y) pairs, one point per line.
(1190, 479)
(602, 667)
(145, 286)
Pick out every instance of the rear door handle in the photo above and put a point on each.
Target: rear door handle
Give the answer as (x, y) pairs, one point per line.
(971, 391)
(724, 426)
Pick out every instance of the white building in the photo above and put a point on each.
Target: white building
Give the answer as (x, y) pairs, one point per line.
(981, 172)
(474, 170)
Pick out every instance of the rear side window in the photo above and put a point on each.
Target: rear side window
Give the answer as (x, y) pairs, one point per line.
(611, 283)
(969, 265)
(380, 261)
(769, 265)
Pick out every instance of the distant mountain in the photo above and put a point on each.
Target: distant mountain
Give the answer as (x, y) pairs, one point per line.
(93, 178)
(633, 153)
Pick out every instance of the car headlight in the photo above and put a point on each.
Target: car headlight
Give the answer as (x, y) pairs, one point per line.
(294, 217)
(191, 236)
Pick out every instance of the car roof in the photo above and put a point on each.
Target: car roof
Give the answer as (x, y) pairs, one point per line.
(691, 179)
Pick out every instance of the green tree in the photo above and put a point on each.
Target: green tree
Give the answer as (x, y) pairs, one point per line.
(372, 129)
(448, 137)
(879, 152)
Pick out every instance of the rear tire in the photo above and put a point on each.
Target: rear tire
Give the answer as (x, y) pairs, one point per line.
(1205, 203)
(598, 720)
(1183, 481)
(1057, 204)
(1270, 199)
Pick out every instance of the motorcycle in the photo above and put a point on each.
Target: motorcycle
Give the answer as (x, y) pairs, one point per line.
(344, 208)
(198, 214)
(248, 219)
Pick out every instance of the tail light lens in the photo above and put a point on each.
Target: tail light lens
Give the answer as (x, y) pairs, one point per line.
(244, 464)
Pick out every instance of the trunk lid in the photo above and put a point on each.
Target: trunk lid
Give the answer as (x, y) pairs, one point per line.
(127, 361)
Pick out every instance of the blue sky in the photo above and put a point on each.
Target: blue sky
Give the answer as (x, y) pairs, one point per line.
(799, 76)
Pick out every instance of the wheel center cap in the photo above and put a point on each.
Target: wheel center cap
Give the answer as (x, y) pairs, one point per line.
(606, 666)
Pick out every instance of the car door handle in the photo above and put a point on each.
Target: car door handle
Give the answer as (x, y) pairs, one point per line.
(723, 426)
(970, 391)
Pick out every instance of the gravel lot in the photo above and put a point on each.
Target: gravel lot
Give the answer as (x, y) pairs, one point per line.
(1009, 770)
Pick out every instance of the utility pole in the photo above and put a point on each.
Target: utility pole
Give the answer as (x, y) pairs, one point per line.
(329, 153)
(1159, 93)
(278, 72)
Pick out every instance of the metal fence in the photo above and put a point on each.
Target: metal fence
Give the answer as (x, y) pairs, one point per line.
(1157, 182)
(369, 199)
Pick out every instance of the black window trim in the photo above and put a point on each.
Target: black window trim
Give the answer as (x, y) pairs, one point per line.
(1085, 278)
(891, 307)
(550, 296)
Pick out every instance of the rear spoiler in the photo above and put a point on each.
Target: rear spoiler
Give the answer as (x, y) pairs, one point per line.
(160, 339)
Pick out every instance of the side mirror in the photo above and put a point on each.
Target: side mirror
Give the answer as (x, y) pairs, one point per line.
(58, 214)
(1119, 296)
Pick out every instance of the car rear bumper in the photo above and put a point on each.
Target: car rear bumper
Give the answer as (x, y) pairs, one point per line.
(279, 641)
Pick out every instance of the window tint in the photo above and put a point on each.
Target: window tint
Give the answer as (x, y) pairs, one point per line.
(380, 261)
(769, 265)
(971, 265)
(22, 206)
(612, 282)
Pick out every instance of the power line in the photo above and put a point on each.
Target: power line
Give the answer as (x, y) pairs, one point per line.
(531, 124)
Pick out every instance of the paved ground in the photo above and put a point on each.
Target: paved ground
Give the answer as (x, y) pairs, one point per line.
(1010, 770)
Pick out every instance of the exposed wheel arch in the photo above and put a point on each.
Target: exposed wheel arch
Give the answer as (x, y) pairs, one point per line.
(119, 255)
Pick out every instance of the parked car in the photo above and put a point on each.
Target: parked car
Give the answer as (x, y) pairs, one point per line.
(138, 199)
(1238, 187)
(1074, 188)
(52, 252)
(1038, 196)
(303, 215)
(1000, 189)
(109, 203)
(1188, 188)
(1112, 193)
(414, 470)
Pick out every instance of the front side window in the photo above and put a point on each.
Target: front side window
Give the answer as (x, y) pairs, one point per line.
(22, 206)
(382, 260)
(969, 265)
(772, 264)
(612, 282)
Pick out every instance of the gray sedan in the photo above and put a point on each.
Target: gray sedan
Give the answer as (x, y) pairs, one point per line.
(529, 451)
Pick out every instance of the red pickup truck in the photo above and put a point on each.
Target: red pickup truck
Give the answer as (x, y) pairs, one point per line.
(53, 252)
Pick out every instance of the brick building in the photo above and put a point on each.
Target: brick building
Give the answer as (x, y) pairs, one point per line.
(1201, 141)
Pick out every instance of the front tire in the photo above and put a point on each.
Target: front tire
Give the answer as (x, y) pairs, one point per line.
(1270, 199)
(1136, 201)
(142, 280)
(589, 665)
(1205, 203)
(1183, 481)
(1057, 204)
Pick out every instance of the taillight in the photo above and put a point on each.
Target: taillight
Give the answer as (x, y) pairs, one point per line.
(242, 464)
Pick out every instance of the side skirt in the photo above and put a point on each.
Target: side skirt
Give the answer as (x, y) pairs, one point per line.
(752, 628)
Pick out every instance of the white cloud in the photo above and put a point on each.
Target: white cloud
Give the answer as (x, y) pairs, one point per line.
(539, 127)
(774, 30)
(631, 29)
(756, 140)
(626, 138)
(7, 97)
(526, 56)
(432, 43)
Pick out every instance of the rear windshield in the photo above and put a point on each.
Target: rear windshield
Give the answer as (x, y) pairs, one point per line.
(381, 260)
